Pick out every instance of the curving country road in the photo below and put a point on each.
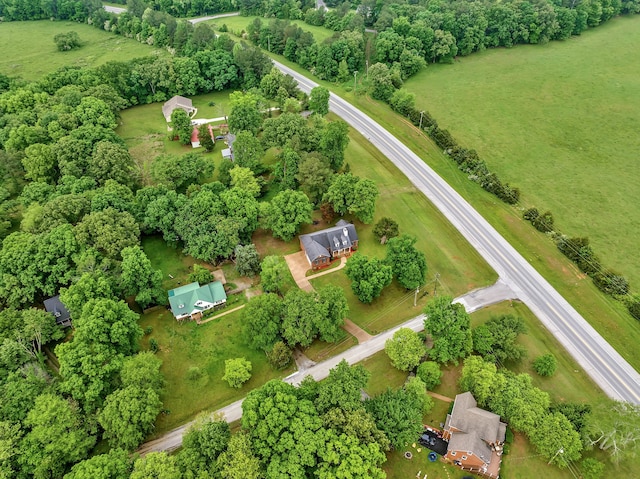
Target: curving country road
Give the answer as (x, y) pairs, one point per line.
(603, 364)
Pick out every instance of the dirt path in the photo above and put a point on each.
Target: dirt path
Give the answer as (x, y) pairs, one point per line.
(229, 311)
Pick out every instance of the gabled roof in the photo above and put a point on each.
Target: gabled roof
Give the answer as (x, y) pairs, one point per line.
(323, 243)
(185, 299)
(475, 428)
(59, 310)
(176, 102)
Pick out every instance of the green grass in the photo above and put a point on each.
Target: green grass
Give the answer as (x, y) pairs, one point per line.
(237, 24)
(560, 121)
(144, 130)
(607, 316)
(28, 49)
(207, 346)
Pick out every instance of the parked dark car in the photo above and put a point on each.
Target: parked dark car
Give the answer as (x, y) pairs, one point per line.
(220, 137)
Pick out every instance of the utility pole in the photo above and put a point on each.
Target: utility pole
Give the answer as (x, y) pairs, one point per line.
(560, 451)
(421, 115)
(435, 284)
(355, 81)
(415, 297)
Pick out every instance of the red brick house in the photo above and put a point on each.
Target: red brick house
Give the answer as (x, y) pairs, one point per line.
(475, 436)
(325, 246)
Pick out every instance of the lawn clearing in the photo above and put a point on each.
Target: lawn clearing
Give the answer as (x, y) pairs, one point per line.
(560, 121)
(187, 345)
(238, 24)
(144, 130)
(28, 49)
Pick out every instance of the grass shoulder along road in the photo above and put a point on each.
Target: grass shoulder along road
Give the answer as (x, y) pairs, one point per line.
(28, 49)
(608, 316)
(559, 121)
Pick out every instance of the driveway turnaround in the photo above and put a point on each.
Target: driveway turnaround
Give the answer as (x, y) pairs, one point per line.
(604, 365)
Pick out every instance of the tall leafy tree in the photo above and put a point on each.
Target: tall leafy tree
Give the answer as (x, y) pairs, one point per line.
(261, 321)
(247, 260)
(239, 460)
(300, 315)
(369, 276)
(342, 388)
(128, 415)
(248, 151)
(496, 339)
(140, 279)
(202, 445)
(449, 327)
(286, 212)
(115, 464)
(245, 112)
(398, 414)
(273, 273)
(109, 231)
(319, 100)
(334, 141)
(408, 263)
(179, 172)
(57, 437)
(156, 465)
(181, 125)
(334, 310)
(351, 194)
(405, 349)
(557, 440)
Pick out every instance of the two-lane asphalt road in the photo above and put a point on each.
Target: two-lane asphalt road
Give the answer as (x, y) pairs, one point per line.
(603, 364)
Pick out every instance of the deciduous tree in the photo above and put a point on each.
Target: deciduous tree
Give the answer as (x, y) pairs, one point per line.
(398, 414)
(405, 349)
(156, 465)
(342, 388)
(407, 262)
(319, 100)
(262, 320)
(430, 373)
(140, 279)
(368, 276)
(449, 326)
(239, 461)
(237, 371)
(273, 274)
(300, 315)
(286, 212)
(247, 260)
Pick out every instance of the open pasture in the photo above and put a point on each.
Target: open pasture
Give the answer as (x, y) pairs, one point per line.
(560, 121)
(28, 49)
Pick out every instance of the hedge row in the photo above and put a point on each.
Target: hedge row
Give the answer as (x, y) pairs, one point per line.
(579, 251)
(467, 160)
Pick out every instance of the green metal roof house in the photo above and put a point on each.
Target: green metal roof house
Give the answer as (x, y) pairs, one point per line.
(191, 300)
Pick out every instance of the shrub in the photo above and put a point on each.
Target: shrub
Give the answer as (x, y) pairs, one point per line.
(280, 355)
(592, 468)
(633, 305)
(148, 330)
(153, 345)
(543, 222)
(611, 283)
(531, 214)
(67, 41)
(430, 373)
(237, 371)
(545, 365)
(194, 373)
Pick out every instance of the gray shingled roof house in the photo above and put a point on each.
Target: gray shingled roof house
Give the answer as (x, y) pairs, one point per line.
(177, 102)
(475, 436)
(322, 247)
(59, 311)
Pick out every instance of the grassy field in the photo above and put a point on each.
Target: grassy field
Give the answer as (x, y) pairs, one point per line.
(560, 121)
(144, 130)
(185, 345)
(237, 24)
(28, 49)
(607, 316)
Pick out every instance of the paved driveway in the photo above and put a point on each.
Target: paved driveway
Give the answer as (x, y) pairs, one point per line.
(298, 265)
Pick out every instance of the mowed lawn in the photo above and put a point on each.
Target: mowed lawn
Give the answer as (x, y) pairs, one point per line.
(28, 49)
(561, 122)
(459, 266)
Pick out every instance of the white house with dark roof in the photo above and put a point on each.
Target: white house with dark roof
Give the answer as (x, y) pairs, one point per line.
(475, 436)
(322, 247)
(177, 102)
